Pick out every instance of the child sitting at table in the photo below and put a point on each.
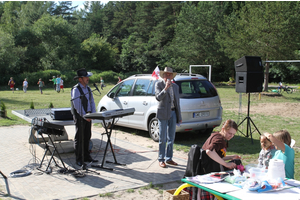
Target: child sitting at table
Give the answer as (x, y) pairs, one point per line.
(216, 147)
(282, 141)
(267, 152)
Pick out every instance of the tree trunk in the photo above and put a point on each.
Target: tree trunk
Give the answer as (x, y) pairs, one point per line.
(266, 79)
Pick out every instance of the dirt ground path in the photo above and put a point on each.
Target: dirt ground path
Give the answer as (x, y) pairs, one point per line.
(279, 109)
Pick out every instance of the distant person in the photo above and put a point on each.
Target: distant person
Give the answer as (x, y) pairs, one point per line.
(119, 79)
(11, 84)
(282, 141)
(58, 79)
(102, 83)
(280, 86)
(267, 152)
(168, 114)
(41, 84)
(62, 85)
(54, 82)
(25, 85)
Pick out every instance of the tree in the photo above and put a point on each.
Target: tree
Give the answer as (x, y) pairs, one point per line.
(117, 21)
(95, 16)
(97, 53)
(9, 55)
(59, 41)
(163, 33)
(11, 10)
(65, 10)
(266, 29)
(33, 11)
(194, 42)
(152, 28)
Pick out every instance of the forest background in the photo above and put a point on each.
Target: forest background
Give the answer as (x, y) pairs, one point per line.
(40, 39)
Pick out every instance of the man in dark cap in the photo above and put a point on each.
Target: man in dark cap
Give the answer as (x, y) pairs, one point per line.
(82, 103)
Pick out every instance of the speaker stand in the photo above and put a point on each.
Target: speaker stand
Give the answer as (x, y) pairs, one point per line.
(249, 120)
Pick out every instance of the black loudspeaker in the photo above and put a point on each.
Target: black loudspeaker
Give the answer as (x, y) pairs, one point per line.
(247, 82)
(248, 64)
(249, 74)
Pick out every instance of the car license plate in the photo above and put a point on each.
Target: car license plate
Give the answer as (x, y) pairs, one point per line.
(201, 114)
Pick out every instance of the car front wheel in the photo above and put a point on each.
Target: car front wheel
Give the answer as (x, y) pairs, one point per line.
(154, 129)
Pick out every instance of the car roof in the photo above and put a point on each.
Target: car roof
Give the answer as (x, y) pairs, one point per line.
(178, 77)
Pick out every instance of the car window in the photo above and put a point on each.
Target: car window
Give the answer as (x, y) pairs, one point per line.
(150, 91)
(125, 88)
(196, 89)
(140, 87)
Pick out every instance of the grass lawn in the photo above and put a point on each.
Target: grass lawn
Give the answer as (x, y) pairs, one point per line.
(230, 99)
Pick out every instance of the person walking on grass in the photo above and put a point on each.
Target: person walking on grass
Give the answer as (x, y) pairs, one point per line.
(62, 85)
(25, 85)
(41, 84)
(102, 83)
(58, 79)
(11, 84)
(54, 82)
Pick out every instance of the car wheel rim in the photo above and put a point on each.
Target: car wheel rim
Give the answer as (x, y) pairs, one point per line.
(155, 129)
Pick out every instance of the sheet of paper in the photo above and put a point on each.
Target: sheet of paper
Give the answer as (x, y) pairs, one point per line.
(222, 187)
(290, 194)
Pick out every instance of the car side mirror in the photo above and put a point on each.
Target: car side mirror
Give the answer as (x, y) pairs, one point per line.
(111, 95)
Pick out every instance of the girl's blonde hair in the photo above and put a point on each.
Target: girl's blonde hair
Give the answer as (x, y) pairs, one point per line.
(284, 136)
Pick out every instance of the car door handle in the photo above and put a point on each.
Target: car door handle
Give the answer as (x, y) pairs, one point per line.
(125, 102)
(145, 103)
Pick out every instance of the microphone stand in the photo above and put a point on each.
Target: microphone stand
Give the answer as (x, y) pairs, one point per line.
(81, 136)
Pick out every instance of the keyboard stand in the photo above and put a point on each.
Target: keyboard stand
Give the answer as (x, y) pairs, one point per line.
(47, 148)
(108, 131)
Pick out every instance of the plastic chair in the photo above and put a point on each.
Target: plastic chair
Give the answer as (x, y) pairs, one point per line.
(292, 143)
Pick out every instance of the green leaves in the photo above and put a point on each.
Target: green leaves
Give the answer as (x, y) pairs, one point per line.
(127, 36)
(97, 53)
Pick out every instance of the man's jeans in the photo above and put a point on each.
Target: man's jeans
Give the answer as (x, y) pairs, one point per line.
(167, 130)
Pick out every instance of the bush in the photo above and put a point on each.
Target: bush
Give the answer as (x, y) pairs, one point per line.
(2, 106)
(31, 105)
(51, 105)
(108, 77)
(33, 77)
(46, 76)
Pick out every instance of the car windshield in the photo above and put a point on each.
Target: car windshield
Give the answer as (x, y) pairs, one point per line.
(196, 89)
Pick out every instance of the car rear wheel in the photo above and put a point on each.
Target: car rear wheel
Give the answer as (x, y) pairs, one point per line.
(153, 129)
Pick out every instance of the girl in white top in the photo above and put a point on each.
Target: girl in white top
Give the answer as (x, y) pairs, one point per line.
(25, 85)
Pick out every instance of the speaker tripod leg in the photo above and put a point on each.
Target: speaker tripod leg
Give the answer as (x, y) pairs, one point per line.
(6, 183)
(246, 118)
(256, 129)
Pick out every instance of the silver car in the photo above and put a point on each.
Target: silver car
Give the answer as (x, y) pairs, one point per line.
(200, 104)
